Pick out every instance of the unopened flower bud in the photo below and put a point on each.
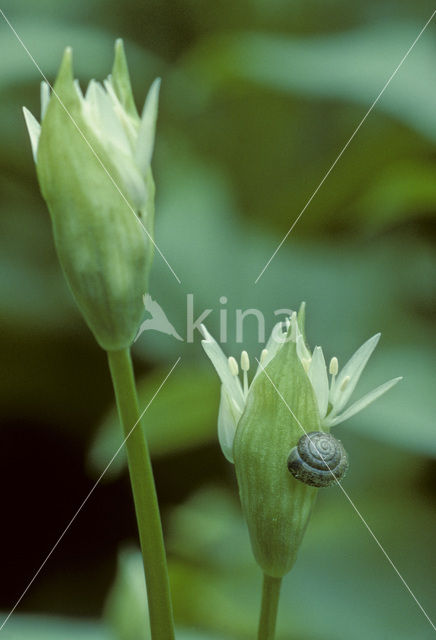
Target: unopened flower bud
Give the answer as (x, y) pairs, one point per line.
(93, 155)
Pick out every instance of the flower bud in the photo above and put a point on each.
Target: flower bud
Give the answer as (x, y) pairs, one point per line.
(276, 505)
(276, 431)
(93, 157)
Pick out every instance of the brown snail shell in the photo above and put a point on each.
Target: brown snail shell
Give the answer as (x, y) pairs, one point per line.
(319, 459)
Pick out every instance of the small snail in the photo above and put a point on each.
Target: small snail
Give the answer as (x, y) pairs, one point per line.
(318, 459)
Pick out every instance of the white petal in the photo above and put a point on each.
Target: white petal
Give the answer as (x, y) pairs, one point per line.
(146, 133)
(110, 129)
(302, 351)
(353, 369)
(363, 402)
(130, 178)
(45, 97)
(78, 90)
(34, 129)
(90, 98)
(274, 344)
(317, 374)
(228, 418)
(90, 108)
(130, 124)
(294, 326)
(231, 383)
(101, 116)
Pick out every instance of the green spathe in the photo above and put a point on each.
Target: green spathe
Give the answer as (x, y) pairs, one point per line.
(276, 506)
(100, 196)
(121, 80)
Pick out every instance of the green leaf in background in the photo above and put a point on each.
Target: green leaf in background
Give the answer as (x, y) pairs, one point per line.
(31, 286)
(221, 538)
(401, 192)
(182, 416)
(404, 418)
(193, 634)
(126, 610)
(293, 101)
(41, 627)
(353, 65)
(341, 574)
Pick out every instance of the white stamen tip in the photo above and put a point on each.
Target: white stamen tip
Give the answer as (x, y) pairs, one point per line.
(245, 361)
(334, 366)
(306, 363)
(233, 366)
(263, 355)
(345, 382)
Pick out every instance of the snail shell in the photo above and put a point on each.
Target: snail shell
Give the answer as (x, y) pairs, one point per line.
(318, 459)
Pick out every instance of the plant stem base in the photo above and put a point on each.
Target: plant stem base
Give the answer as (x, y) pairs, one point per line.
(144, 495)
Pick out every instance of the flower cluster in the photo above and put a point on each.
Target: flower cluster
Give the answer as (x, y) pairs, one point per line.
(332, 395)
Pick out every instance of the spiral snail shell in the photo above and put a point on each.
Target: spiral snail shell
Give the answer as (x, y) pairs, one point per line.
(318, 459)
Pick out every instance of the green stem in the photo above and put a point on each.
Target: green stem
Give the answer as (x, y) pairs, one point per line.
(270, 604)
(144, 495)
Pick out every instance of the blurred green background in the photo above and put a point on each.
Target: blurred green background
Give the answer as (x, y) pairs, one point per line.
(258, 98)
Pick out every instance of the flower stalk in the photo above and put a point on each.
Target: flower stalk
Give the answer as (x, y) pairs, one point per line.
(268, 611)
(144, 495)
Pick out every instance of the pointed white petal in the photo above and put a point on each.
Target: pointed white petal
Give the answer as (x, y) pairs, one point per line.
(363, 402)
(78, 90)
(34, 129)
(302, 351)
(111, 93)
(294, 326)
(90, 108)
(110, 127)
(353, 369)
(145, 141)
(45, 97)
(317, 374)
(90, 98)
(228, 418)
(274, 344)
(129, 123)
(231, 383)
(136, 188)
(99, 112)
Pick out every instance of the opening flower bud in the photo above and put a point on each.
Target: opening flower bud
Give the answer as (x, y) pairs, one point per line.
(93, 155)
(268, 429)
(276, 505)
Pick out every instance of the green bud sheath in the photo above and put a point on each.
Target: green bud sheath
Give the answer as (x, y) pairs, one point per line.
(276, 506)
(103, 248)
